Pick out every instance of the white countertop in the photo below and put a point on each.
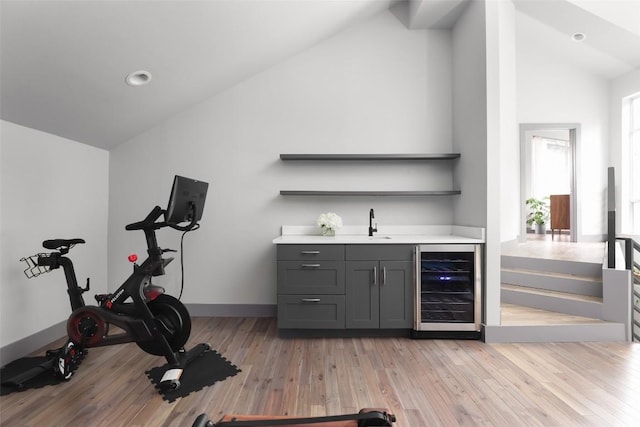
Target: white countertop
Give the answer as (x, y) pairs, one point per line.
(400, 234)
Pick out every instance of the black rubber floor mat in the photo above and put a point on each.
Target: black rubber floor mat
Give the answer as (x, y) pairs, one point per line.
(205, 370)
(44, 377)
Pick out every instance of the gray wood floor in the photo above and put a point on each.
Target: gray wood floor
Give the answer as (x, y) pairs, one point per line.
(424, 382)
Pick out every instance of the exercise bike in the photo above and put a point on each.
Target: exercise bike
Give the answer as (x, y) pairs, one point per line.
(157, 322)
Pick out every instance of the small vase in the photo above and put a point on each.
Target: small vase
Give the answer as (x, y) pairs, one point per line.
(328, 232)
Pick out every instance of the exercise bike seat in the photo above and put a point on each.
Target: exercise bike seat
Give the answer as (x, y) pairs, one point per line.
(55, 244)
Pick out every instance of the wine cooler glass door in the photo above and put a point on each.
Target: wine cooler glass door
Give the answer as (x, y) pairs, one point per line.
(448, 295)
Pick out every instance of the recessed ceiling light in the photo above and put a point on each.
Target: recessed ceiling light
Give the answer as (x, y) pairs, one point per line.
(578, 37)
(138, 78)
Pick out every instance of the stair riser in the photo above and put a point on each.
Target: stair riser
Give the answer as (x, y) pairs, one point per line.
(555, 333)
(585, 269)
(551, 303)
(551, 283)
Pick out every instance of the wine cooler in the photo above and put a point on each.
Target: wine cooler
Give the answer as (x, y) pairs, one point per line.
(448, 291)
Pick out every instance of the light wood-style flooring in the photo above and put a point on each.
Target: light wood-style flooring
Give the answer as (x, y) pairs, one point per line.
(424, 382)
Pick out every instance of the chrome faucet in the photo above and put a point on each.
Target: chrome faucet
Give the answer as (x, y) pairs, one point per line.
(371, 228)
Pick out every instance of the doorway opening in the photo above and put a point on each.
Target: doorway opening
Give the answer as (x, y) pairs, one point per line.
(548, 174)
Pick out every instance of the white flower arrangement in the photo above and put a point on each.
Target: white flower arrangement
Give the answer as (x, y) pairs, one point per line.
(329, 222)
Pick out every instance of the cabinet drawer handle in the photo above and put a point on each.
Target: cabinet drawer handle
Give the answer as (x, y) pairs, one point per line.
(310, 252)
(310, 265)
(310, 300)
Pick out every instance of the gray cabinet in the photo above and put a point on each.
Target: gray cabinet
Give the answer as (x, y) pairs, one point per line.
(396, 294)
(345, 286)
(379, 292)
(363, 296)
(311, 286)
(311, 277)
(311, 311)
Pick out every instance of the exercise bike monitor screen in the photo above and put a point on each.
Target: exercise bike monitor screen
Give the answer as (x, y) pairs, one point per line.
(186, 202)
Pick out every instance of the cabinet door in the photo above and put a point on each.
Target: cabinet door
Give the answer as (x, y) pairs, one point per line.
(396, 294)
(362, 295)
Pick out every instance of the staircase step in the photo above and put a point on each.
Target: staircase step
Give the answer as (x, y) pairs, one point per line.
(554, 333)
(561, 302)
(513, 315)
(526, 324)
(560, 282)
(576, 268)
(552, 299)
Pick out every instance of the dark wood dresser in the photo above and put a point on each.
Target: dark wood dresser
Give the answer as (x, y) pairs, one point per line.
(560, 213)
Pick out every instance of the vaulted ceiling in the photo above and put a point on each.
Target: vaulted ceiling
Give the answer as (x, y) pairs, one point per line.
(63, 63)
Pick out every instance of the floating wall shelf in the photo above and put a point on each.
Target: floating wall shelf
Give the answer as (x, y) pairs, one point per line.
(433, 156)
(398, 156)
(368, 193)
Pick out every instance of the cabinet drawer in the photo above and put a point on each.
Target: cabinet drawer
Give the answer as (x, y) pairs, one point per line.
(311, 277)
(311, 252)
(311, 311)
(379, 252)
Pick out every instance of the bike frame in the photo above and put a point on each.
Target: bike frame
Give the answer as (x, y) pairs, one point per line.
(134, 318)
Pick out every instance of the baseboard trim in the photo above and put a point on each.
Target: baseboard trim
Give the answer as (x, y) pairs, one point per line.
(232, 310)
(32, 343)
(29, 344)
(592, 238)
(554, 333)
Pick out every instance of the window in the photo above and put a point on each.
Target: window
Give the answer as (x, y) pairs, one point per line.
(634, 159)
(551, 161)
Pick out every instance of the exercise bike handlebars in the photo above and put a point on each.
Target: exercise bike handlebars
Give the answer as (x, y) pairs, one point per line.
(149, 223)
(149, 226)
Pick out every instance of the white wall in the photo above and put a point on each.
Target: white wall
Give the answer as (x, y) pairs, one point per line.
(470, 113)
(503, 152)
(374, 88)
(504, 75)
(479, 103)
(51, 187)
(551, 90)
(620, 88)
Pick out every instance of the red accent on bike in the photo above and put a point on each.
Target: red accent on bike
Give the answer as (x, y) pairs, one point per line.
(152, 292)
(132, 258)
(109, 304)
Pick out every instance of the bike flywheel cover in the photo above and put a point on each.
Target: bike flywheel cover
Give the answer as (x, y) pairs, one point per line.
(86, 327)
